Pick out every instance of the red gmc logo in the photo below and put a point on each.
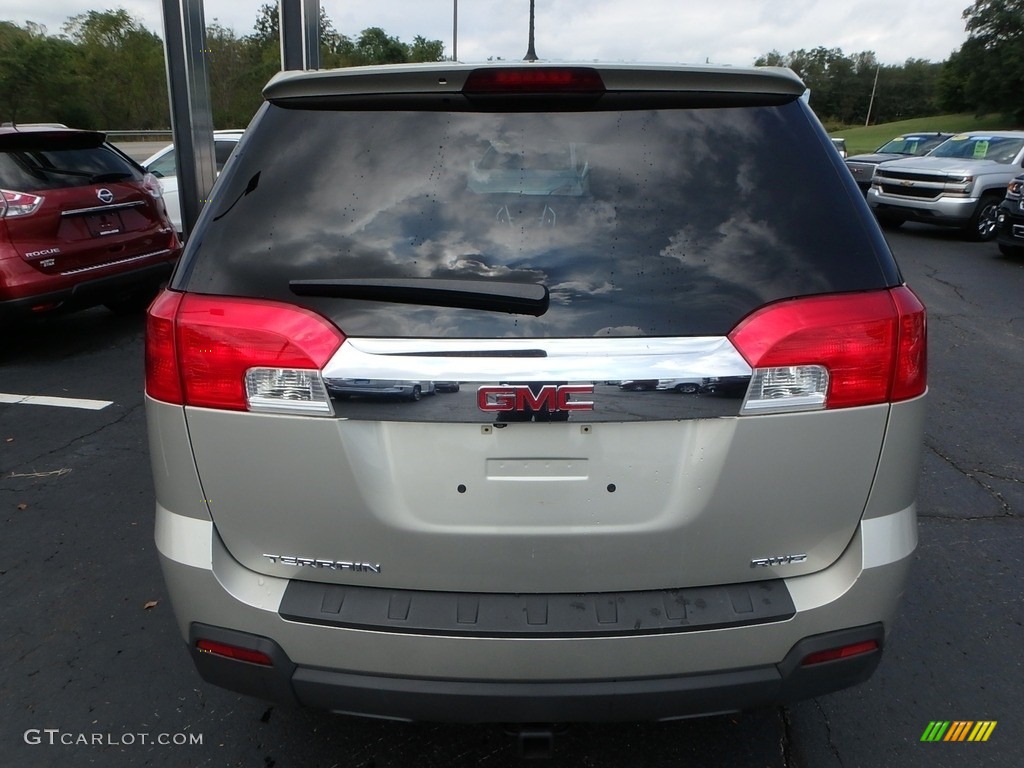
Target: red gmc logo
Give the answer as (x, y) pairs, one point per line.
(519, 397)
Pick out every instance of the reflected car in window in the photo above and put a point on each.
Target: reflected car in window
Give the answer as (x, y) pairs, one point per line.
(384, 388)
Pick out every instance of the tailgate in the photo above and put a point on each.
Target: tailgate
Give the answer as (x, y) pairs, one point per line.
(548, 477)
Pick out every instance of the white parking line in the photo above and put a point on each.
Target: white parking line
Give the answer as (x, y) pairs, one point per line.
(59, 402)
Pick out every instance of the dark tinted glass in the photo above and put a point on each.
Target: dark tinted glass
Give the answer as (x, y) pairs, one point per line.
(39, 169)
(648, 222)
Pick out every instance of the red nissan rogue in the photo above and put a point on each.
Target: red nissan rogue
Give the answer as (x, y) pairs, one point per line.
(81, 224)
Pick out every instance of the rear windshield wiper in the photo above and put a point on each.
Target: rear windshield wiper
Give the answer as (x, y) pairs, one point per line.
(41, 170)
(100, 178)
(488, 295)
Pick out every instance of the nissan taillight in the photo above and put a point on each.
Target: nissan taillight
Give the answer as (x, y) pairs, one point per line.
(152, 185)
(14, 204)
(834, 351)
(238, 354)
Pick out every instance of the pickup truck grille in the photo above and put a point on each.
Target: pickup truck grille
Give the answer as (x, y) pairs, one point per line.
(911, 176)
(918, 193)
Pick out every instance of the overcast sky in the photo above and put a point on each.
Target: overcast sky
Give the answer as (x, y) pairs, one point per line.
(732, 32)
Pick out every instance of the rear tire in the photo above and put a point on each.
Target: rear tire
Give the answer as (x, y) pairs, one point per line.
(416, 393)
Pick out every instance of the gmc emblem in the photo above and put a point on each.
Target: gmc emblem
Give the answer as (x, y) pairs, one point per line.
(520, 397)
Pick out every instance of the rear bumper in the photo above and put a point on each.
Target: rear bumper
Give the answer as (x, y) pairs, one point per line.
(85, 293)
(664, 698)
(947, 211)
(410, 676)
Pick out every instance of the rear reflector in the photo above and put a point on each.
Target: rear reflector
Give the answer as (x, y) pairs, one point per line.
(234, 652)
(844, 652)
(834, 351)
(238, 354)
(534, 80)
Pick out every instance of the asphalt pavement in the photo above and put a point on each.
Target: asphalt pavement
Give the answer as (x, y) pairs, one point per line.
(94, 672)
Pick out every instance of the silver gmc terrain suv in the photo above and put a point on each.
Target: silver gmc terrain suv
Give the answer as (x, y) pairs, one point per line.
(532, 542)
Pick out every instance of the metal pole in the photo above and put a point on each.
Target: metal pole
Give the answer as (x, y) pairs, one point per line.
(871, 103)
(300, 34)
(188, 87)
(455, 30)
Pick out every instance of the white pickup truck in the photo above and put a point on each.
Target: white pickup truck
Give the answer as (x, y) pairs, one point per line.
(959, 184)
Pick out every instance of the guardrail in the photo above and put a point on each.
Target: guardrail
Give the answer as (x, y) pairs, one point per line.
(138, 135)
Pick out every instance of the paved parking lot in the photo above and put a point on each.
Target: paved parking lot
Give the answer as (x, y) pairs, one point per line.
(92, 671)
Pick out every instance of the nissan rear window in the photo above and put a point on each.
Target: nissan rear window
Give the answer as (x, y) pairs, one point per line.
(31, 170)
(648, 222)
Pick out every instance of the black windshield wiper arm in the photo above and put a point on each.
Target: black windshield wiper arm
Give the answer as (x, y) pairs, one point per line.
(488, 295)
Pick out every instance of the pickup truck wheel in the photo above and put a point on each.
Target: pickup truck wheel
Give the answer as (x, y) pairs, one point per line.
(982, 226)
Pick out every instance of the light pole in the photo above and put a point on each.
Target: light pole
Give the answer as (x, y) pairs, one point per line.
(871, 101)
(531, 53)
(455, 30)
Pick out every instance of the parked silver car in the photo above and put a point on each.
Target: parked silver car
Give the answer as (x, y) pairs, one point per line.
(542, 544)
(960, 183)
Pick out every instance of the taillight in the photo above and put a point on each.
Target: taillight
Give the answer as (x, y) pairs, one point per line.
(834, 351)
(238, 354)
(16, 204)
(152, 185)
(163, 375)
(534, 79)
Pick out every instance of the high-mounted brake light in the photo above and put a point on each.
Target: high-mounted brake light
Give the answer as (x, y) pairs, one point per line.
(834, 351)
(537, 80)
(238, 354)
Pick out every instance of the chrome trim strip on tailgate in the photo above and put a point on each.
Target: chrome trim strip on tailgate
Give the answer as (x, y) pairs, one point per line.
(606, 379)
(106, 264)
(103, 208)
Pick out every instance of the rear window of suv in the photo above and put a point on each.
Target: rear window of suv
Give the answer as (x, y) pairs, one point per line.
(657, 222)
(45, 167)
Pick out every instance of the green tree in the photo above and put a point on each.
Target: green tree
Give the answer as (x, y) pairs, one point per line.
(36, 82)
(120, 65)
(375, 46)
(987, 73)
(236, 76)
(841, 85)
